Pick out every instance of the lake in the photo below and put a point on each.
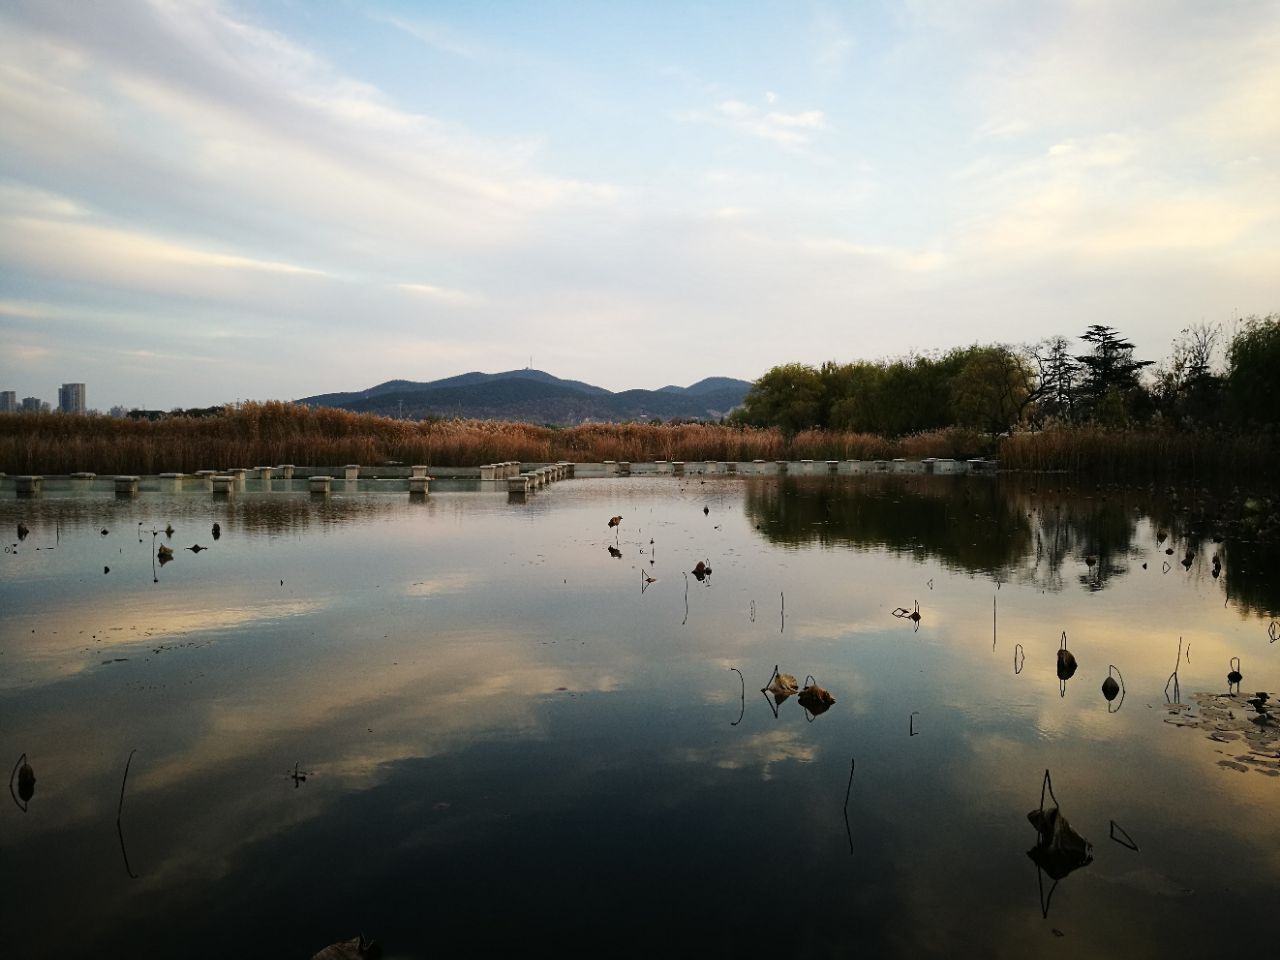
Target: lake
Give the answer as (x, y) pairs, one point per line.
(449, 722)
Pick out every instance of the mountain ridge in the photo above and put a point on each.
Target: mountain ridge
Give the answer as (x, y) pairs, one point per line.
(537, 396)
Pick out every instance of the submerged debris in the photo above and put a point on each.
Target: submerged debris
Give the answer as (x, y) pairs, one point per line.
(1058, 849)
(1246, 724)
(902, 613)
(701, 571)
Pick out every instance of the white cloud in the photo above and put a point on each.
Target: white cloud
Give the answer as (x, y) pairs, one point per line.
(791, 130)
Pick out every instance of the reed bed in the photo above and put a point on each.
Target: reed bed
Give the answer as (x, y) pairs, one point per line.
(254, 434)
(1142, 454)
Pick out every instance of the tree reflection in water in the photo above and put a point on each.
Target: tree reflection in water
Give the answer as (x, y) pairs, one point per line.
(1037, 530)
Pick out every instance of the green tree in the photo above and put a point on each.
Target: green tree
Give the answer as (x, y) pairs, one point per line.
(1188, 389)
(1059, 375)
(790, 396)
(992, 388)
(1110, 371)
(1253, 371)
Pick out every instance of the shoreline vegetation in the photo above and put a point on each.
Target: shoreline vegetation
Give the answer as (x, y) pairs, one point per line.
(270, 433)
(1210, 413)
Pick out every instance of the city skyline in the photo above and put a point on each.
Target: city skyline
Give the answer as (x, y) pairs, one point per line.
(217, 200)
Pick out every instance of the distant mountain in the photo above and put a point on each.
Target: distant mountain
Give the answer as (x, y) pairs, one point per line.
(538, 397)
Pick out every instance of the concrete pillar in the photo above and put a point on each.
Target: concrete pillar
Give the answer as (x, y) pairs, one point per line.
(515, 468)
(206, 474)
(419, 471)
(881, 466)
(78, 476)
(899, 465)
(351, 471)
(518, 485)
(224, 485)
(27, 486)
(265, 473)
(418, 486)
(286, 471)
(126, 486)
(239, 473)
(781, 465)
(929, 463)
(677, 468)
(611, 468)
(489, 471)
(624, 468)
(320, 486)
(731, 467)
(170, 482)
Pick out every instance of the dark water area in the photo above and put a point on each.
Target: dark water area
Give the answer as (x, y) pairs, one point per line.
(451, 723)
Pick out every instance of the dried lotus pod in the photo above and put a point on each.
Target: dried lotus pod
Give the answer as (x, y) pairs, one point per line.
(1066, 664)
(26, 782)
(783, 685)
(816, 700)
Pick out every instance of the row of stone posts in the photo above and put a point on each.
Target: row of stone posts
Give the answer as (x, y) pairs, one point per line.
(500, 471)
(521, 484)
(225, 483)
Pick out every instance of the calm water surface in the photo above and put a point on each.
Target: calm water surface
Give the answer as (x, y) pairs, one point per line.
(503, 728)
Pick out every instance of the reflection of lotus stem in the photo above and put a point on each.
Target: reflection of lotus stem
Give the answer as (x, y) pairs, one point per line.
(743, 681)
(120, 807)
(853, 762)
(1173, 678)
(120, 813)
(16, 767)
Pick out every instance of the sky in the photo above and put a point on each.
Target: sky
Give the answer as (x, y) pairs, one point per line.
(203, 202)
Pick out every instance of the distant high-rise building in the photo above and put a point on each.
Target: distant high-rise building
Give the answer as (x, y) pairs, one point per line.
(8, 401)
(30, 404)
(71, 398)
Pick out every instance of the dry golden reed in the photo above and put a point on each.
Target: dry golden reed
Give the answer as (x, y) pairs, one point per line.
(256, 434)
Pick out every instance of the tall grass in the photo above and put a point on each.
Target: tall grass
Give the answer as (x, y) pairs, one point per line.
(1145, 454)
(254, 434)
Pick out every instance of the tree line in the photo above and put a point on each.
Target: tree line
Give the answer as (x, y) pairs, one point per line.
(1209, 380)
